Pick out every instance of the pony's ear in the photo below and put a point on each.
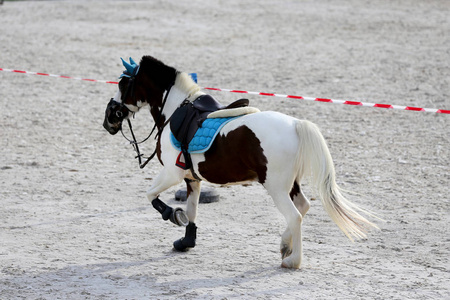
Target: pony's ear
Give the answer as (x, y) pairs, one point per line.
(127, 66)
(132, 62)
(132, 68)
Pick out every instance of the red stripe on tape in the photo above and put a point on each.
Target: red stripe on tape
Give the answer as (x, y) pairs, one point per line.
(267, 94)
(323, 100)
(238, 91)
(414, 108)
(295, 97)
(353, 103)
(383, 105)
(443, 111)
(43, 74)
(18, 71)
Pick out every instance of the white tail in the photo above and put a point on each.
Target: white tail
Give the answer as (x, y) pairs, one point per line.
(315, 160)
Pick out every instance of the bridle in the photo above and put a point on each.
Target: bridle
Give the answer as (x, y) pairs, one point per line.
(133, 141)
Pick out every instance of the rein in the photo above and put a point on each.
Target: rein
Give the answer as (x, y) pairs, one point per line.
(135, 144)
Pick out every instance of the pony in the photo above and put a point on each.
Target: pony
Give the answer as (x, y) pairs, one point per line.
(269, 147)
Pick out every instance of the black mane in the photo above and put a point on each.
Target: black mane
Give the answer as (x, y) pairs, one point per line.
(162, 75)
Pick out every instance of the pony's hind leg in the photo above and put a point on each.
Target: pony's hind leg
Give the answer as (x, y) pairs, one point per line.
(193, 195)
(286, 243)
(294, 221)
(300, 200)
(303, 205)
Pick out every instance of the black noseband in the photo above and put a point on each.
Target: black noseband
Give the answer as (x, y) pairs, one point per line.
(116, 111)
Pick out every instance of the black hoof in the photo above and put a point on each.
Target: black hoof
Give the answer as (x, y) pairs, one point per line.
(183, 244)
(188, 241)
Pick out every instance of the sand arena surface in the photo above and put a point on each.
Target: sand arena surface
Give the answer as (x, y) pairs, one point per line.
(74, 219)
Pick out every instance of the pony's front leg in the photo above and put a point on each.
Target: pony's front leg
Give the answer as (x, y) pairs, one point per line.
(165, 180)
(193, 195)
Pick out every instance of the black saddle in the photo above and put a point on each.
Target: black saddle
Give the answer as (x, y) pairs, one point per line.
(188, 118)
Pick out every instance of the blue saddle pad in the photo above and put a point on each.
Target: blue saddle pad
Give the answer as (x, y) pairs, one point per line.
(204, 136)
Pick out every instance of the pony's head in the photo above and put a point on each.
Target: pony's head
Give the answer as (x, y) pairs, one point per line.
(139, 85)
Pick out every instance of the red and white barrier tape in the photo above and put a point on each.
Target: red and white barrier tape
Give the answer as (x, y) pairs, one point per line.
(59, 76)
(357, 103)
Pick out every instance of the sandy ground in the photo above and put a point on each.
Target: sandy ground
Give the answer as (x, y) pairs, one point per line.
(74, 219)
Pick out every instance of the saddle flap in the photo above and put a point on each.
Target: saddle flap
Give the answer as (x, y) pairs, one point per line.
(184, 122)
(177, 119)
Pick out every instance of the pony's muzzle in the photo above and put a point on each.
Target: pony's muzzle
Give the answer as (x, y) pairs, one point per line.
(111, 128)
(115, 113)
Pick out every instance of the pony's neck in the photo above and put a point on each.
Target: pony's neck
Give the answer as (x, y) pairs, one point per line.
(184, 88)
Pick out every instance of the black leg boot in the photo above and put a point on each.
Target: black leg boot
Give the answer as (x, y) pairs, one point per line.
(165, 210)
(189, 238)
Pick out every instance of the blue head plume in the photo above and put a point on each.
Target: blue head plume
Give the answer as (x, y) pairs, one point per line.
(132, 68)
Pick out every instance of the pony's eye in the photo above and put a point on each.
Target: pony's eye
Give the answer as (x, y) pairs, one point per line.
(119, 114)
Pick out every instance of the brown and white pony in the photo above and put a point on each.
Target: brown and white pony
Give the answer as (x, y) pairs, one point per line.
(269, 147)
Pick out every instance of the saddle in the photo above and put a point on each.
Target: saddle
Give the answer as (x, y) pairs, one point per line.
(189, 117)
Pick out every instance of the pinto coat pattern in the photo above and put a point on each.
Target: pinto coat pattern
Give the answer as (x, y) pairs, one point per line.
(271, 148)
